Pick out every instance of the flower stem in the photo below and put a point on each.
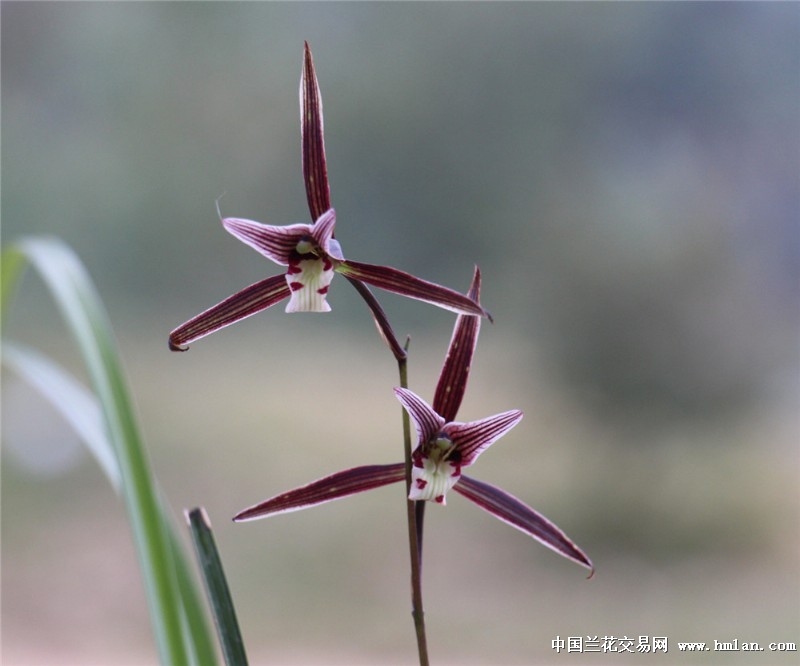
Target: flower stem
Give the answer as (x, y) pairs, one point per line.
(415, 513)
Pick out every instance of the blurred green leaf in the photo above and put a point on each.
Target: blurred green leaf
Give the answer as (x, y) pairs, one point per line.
(71, 399)
(10, 270)
(108, 426)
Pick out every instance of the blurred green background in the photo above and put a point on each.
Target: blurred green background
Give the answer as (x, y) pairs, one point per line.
(626, 177)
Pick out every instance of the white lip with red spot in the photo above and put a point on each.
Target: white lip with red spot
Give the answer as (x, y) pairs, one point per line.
(309, 279)
(432, 475)
(311, 266)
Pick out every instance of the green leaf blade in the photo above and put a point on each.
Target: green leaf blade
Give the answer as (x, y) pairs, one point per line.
(217, 588)
(178, 631)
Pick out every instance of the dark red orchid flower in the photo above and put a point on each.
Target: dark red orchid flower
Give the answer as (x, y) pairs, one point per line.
(310, 252)
(444, 448)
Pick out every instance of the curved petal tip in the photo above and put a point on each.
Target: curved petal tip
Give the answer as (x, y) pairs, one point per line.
(177, 348)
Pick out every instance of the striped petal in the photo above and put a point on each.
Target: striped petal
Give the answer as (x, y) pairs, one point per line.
(405, 284)
(427, 422)
(274, 242)
(283, 243)
(322, 233)
(333, 487)
(510, 510)
(455, 371)
(472, 439)
(248, 301)
(315, 171)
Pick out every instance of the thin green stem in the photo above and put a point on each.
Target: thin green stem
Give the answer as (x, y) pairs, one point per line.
(414, 532)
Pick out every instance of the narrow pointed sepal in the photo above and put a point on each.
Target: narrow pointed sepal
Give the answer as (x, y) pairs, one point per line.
(315, 171)
(405, 284)
(473, 438)
(333, 487)
(458, 362)
(510, 510)
(247, 302)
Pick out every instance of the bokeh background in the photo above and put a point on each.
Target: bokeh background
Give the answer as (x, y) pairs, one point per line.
(625, 174)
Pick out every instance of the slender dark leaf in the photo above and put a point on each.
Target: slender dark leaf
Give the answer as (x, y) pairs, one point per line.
(219, 594)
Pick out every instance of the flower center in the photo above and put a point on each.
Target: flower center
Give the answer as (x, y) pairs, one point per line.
(440, 448)
(306, 246)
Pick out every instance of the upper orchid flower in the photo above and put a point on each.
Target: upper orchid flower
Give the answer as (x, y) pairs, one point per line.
(444, 448)
(310, 252)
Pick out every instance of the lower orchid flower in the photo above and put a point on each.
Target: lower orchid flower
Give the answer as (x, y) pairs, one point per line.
(444, 448)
